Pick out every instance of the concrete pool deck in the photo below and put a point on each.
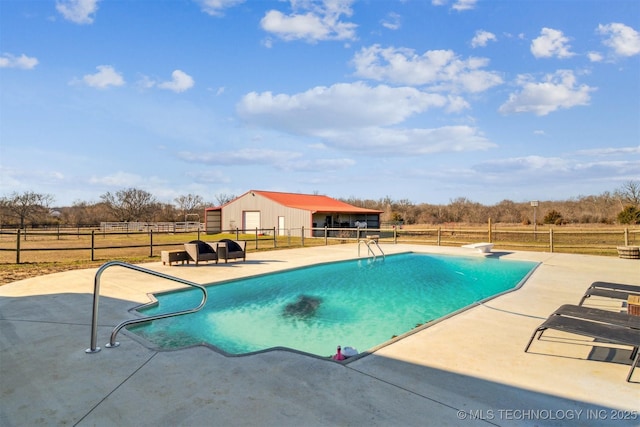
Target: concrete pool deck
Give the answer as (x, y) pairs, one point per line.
(467, 370)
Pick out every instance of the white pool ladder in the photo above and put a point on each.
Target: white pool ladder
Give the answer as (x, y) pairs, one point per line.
(369, 242)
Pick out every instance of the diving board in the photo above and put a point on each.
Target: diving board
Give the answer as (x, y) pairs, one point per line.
(484, 248)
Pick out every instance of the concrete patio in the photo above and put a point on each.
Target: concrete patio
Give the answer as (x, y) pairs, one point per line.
(469, 369)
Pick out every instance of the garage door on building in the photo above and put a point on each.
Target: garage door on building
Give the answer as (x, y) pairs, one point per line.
(251, 221)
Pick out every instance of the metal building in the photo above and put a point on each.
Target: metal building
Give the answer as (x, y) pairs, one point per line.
(257, 211)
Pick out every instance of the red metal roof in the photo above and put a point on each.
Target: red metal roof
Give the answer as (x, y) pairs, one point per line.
(312, 202)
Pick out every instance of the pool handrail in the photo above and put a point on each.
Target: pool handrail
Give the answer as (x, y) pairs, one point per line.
(368, 243)
(96, 296)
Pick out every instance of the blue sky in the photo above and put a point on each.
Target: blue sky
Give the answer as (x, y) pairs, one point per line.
(418, 100)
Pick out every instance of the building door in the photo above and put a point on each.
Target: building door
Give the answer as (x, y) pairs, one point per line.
(251, 221)
(281, 230)
(213, 221)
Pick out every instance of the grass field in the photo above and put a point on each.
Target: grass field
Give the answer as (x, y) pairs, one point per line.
(47, 252)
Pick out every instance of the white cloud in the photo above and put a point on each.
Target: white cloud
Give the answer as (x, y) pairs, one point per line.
(118, 179)
(551, 43)
(595, 56)
(456, 104)
(210, 176)
(392, 21)
(458, 5)
(360, 118)
(556, 170)
(624, 40)
(217, 7)
(626, 151)
(279, 159)
(245, 156)
(464, 5)
(180, 82)
(311, 21)
(442, 69)
(145, 82)
(78, 11)
(399, 142)
(344, 105)
(528, 163)
(482, 37)
(105, 77)
(558, 90)
(23, 61)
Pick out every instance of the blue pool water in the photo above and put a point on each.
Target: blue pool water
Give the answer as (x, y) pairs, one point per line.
(356, 303)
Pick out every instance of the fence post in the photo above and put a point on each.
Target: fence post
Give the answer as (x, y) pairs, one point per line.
(439, 229)
(18, 247)
(626, 236)
(150, 243)
(551, 240)
(275, 244)
(93, 241)
(303, 236)
(395, 235)
(256, 238)
(325, 236)
(490, 235)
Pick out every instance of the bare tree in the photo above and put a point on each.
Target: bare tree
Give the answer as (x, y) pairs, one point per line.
(629, 194)
(506, 211)
(78, 214)
(223, 198)
(405, 210)
(459, 208)
(131, 204)
(189, 204)
(27, 206)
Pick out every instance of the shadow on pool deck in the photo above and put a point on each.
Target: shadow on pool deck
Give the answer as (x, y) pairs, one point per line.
(470, 366)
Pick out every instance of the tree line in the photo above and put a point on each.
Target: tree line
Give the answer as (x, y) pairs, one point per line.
(126, 205)
(622, 206)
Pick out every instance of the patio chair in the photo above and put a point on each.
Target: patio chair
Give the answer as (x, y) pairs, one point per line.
(616, 287)
(599, 329)
(606, 293)
(201, 251)
(232, 249)
(598, 315)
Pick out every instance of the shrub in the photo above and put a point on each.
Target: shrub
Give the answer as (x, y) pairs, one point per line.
(553, 217)
(629, 215)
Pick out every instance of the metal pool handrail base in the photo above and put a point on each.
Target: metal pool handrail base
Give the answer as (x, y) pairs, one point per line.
(368, 243)
(96, 297)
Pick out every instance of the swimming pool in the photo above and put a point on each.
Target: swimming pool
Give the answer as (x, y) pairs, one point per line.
(356, 303)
